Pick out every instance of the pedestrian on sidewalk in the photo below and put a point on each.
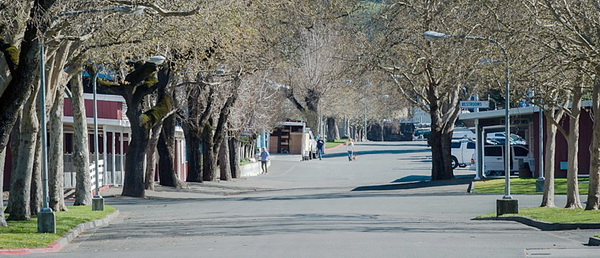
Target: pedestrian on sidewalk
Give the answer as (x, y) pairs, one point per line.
(264, 158)
(350, 149)
(320, 147)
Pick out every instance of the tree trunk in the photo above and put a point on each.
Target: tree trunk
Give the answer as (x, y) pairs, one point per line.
(573, 200)
(224, 162)
(142, 81)
(166, 170)
(15, 140)
(441, 165)
(312, 120)
(209, 172)
(548, 198)
(2, 161)
(20, 188)
(133, 184)
(24, 79)
(332, 129)
(81, 152)
(194, 155)
(593, 198)
(35, 201)
(55, 161)
(151, 157)
(234, 157)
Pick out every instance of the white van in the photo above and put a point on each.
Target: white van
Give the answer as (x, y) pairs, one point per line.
(462, 151)
(463, 133)
(310, 144)
(494, 159)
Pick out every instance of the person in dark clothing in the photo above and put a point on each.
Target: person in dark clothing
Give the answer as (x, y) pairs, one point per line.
(320, 147)
(264, 159)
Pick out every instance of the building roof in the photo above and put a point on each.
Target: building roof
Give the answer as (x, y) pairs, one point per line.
(498, 113)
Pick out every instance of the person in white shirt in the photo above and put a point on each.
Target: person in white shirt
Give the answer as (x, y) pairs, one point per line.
(350, 149)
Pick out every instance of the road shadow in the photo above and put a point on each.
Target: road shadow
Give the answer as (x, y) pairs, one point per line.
(416, 181)
(374, 152)
(398, 144)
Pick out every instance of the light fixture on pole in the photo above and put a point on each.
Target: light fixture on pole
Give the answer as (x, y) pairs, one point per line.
(508, 204)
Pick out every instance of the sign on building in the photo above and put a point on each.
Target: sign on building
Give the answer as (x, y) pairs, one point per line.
(474, 104)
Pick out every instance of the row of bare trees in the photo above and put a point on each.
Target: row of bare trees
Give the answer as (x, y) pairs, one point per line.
(216, 54)
(553, 51)
(229, 65)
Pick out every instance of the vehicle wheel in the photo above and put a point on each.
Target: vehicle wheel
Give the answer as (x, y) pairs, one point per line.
(454, 162)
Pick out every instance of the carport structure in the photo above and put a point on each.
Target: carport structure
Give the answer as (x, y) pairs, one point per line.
(526, 122)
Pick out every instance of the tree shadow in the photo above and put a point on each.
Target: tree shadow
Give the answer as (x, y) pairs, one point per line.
(374, 152)
(417, 181)
(393, 144)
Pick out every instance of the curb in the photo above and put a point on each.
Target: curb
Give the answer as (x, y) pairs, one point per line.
(65, 239)
(545, 226)
(594, 241)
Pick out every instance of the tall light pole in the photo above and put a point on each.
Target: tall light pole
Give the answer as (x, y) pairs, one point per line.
(46, 216)
(364, 136)
(383, 119)
(502, 207)
(97, 200)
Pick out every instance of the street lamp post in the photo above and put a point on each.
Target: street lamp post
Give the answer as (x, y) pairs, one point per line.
(507, 204)
(364, 136)
(383, 119)
(46, 216)
(97, 200)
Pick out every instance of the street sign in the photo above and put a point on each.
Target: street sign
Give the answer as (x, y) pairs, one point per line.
(474, 104)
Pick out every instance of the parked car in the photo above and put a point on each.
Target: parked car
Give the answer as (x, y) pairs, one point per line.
(462, 152)
(421, 134)
(500, 138)
(494, 159)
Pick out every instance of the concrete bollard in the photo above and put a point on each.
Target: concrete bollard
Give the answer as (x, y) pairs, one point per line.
(97, 203)
(46, 221)
(507, 206)
(539, 185)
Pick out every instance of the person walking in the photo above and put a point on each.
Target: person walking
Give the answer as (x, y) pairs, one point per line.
(320, 147)
(264, 158)
(350, 149)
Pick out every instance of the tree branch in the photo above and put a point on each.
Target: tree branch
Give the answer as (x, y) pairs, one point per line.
(158, 9)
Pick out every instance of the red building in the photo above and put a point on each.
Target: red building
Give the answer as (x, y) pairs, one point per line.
(113, 140)
(525, 121)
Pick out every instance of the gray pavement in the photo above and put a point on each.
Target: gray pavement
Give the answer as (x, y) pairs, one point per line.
(329, 208)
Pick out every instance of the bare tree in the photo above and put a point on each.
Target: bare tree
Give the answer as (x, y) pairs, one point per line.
(83, 192)
(569, 31)
(432, 75)
(141, 81)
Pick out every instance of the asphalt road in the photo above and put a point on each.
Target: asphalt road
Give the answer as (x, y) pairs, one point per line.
(370, 207)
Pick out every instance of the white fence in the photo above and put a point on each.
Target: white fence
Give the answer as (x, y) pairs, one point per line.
(105, 175)
(92, 170)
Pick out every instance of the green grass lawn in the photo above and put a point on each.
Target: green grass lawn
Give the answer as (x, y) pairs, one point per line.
(23, 234)
(245, 161)
(526, 186)
(334, 143)
(557, 215)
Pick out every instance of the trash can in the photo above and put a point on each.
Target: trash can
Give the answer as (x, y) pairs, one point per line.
(524, 171)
